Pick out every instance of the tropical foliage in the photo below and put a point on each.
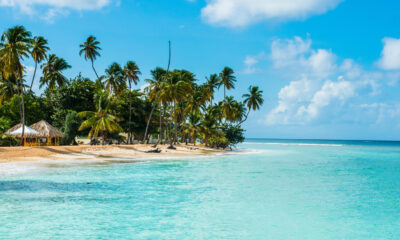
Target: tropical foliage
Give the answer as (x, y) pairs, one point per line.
(175, 105)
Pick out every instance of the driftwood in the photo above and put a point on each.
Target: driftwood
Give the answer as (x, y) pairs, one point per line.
(154, 151)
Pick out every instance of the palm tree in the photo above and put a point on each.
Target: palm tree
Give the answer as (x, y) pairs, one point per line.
(90, 49)
(131, 74)
(14, 47)
(227, 79)
(176, 88)
(232, 110)
(193, 127)
(253, 100)
(158, 97)
(8, 87)
(38, 53)
(101, 121)
(114, 80)
(212, 83)
(52, 72)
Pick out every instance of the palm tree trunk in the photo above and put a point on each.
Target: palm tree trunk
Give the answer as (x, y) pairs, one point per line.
(244, 120)
(94, 69)
(34, 74)
(130, 113)
(224, 92)
(23, 111)
(148, 123)
(175, 125)
(160, 133)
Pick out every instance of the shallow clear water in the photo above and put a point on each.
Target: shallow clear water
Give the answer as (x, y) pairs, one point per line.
(270, 190)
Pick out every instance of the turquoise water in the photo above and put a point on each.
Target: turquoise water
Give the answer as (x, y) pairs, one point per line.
(271, 189)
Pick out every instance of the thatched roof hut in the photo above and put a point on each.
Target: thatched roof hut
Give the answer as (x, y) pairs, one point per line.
(16, 131)
(13, 129)
(46, 130)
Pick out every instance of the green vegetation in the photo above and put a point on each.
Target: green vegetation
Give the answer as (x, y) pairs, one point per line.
(175, 106)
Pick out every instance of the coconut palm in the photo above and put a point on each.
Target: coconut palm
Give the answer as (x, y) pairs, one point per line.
(211, 84)
(114, 81)
(102, 121)
(232, 110)
(176, 88)
(253, 100)
(166, 75)
(193, 126)
(131, 74)
(227, 79)
(53, 72)
(90, 49)
(8, 87)
(39, 50)
(14, 47)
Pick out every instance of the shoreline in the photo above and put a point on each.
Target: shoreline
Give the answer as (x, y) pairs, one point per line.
(87, 152)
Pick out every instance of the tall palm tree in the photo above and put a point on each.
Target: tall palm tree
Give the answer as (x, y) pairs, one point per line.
(131, 74)
(253, 100)
(114, 81)
(90, 49)
(160, 89)
(52, 72)
(227, 79)
(39, 50)
(14, 47)
(101, 121)
(156, 84)
(211, 84)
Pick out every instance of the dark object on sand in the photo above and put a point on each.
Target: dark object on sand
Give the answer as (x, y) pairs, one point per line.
(172, 147)
(154, 151)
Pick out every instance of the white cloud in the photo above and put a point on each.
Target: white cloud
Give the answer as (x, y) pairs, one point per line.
(390, 56)
(250, 63)
(320, 88)
(53, 8)
(240, 13)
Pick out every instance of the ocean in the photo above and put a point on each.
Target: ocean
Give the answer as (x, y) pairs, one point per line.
(265, 189)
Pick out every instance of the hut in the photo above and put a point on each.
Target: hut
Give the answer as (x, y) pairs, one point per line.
(30, 135)
(48, 135)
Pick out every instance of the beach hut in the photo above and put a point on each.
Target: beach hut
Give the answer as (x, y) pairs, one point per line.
(48, 135)
(30, 135)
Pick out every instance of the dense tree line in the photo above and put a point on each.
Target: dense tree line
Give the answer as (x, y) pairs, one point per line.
(175, 106)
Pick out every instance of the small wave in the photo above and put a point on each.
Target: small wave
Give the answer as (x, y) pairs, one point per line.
(296, 144)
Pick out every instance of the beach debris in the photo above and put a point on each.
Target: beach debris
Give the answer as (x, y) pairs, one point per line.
(157, 150)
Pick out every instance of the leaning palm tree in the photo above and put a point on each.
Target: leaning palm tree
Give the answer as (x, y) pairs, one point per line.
(39, 50)
(157, 99)
(131, 74)
(211, 84)
(53, 72)
(14, 47)
(253, 100)
(101, 122)
(227, 79)
(114, 81)
(90, 49)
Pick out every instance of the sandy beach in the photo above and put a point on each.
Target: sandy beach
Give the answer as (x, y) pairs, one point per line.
(86, 152)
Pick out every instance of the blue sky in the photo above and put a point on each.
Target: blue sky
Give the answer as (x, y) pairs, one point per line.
(328, 68)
